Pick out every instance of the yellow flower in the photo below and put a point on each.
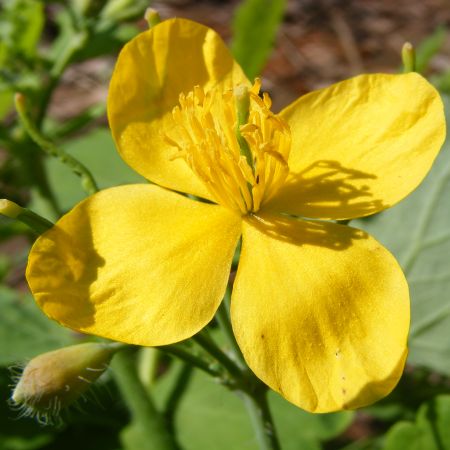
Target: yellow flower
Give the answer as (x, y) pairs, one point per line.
(320, 310)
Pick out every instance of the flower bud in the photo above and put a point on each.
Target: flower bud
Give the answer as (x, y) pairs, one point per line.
(152, 17)
(56, 379)
(33, 220)
(9, 208)
(408, 57)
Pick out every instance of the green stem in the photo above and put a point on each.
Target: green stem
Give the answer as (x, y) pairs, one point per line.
(87, 181)
(31, 171)
(36, 222)
(261, 418)
(142, 409)
(73, 125)
(223, 318)
(181, 384)
(214, 350)
(194, 360)
(148, 362)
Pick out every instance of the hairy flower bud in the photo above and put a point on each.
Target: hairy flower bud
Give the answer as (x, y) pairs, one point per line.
(56, 379)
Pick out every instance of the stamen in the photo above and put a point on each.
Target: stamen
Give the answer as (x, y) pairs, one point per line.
(232, 141)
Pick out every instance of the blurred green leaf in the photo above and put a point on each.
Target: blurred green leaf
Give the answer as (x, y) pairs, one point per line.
(431, 431)
(442, 81)
(97, 152)
(5, 266)
(372, 443)
(255, 26)
(211, 417)
(120, 10)
(24, 443)
(66, 30)
(6, 102)
(417, 231)
(108, 40)
(133, 437)
(24, 329)
(21, 24)
(429, 47)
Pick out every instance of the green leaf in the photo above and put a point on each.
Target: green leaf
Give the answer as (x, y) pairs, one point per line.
(417, 231)
(24, 329)
(255, 26)
(108, 39)
(296, 425)
(24, 443)
(133, 437)
(210, 416)
(121, 10)
(97, 152)
(442, 81)
(21, 25)
(6, 102)
(430, 431)
(429, 47)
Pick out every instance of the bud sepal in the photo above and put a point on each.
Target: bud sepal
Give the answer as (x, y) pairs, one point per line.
(54, 380)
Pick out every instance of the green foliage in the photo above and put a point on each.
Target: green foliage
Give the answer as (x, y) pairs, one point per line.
(119, 10)
(106, 36)
(210, 417)
(430, 431)
(25, 331)
(254, 30)
(202, 413)
(429, 47)
(21, 23)
(417, 232)
(6, 101)
(97, 152)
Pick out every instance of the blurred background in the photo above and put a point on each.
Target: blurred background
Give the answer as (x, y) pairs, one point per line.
(317, 42)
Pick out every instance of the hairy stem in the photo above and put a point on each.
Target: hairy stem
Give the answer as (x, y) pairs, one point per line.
(205, 341)
(87, 180)
(190, 358)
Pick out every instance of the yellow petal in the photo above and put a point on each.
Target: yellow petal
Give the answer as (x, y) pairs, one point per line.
(136, 264)
(151, 71)
(321, 312)
(360, 146)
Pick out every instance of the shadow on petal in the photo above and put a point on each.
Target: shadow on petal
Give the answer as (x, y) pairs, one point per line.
(328, 190)
(307, 232)
(62, 270)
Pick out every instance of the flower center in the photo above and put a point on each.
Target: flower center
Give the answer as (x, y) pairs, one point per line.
(241, 157)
